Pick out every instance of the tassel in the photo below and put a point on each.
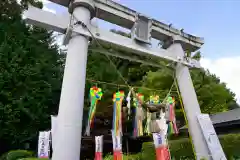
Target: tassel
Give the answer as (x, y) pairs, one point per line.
(117, 112)
(175, 128)
(170, 128)
(171, 112)
(129, 102)
(147, 126)
(117, 147)
(162, 153)
(95, 96)
(151, 124)
(138, 128)
(172, 118)
(117, 155)
(161, 148)
(99, 147)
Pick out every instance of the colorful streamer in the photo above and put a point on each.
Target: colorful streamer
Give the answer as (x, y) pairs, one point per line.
(172, 119)
(163, 126)
(161, 148)
(175, 128)
(117, 147)
(138, 128)
(99, 147)
(153, 100)
(117, 113)
(170, 128)
(147, 125)
(95, 96)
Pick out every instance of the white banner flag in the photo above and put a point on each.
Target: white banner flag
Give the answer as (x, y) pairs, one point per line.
(98, 143)
(43, 144)
(53, 130)
(117, 142)
(159, 139)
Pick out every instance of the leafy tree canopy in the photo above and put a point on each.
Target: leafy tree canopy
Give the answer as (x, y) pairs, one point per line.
(30, 78)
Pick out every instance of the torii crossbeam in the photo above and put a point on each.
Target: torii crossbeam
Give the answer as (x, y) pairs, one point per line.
(78, 28)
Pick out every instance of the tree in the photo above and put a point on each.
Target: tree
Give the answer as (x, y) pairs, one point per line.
(233, 105)
(213, 96)
(30, 78)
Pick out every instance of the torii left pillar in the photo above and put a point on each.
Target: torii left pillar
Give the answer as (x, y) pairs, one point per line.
(68, 142)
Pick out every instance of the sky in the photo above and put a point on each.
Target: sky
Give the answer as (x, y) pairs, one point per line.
(215, 20)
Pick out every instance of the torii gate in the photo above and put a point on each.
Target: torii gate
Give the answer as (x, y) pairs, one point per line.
(175, 43)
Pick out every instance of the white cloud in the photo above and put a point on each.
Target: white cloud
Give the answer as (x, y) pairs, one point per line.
(227, 69)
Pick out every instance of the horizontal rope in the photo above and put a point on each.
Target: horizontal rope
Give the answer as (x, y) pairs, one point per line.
(125, 86)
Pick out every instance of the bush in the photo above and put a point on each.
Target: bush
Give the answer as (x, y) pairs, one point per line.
(231, 145)
(182, 149)
(3, 157)
(125, 157)
(17, 154)
(20, 155)
(148, 151)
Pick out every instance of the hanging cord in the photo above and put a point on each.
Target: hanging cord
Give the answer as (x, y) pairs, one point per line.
(169, 92)
(164, 101)
(119, 73)
(111, 62)
(184, 114)
(126, 86)
(108, 57)
(99, 44)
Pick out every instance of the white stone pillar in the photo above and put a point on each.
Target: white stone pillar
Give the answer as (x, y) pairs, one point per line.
(191, 105)
(68, 142)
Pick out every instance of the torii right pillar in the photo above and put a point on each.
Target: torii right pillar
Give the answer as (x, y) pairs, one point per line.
(190, 102)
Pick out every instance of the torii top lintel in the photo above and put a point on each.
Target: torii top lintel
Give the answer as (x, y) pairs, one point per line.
(125, 17)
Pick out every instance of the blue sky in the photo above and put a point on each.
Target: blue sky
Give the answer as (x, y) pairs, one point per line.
(216, 20)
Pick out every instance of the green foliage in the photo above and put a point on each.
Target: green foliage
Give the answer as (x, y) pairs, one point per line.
(197, 56)
(125, 157)
(16, 155)
(183, 148)
(30, 79)
(213, 96)
(160, 80)
(148, 151)
(20, 155)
